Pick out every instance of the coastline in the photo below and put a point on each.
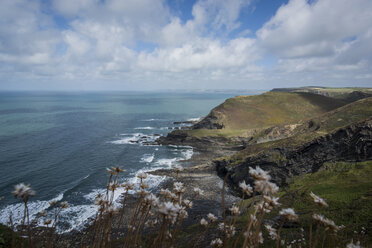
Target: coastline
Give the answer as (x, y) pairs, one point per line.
(199, 171)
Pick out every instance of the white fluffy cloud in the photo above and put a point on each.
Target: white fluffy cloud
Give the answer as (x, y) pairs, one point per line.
(300, 29)
(142, 43)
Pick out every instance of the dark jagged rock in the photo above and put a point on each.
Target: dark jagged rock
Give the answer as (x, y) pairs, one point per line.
(351, 143)
(207, 143)
(211, 121)
(184, 122)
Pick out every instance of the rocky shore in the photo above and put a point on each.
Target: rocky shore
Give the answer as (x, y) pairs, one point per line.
(199, 172)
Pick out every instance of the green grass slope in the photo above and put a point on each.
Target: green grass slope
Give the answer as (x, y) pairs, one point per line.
(244, 115)
(248, 112)
(346, 187)
(340, 93)
(313, 128)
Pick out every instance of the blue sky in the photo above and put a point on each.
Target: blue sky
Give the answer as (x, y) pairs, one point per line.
(184, 44)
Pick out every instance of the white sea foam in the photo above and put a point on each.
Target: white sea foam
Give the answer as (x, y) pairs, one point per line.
(92, 195)
(181, 147)
(16, 210)
(167, 162)
(147, 158)
(187, 154)
(144, 128)
(135, 138)
(154, 119)
(76, 217)
(152, 180)
(195, 119)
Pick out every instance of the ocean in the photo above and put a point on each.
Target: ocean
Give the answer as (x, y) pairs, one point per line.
(62, 143)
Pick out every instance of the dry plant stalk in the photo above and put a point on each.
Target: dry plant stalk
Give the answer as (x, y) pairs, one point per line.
(162, 215)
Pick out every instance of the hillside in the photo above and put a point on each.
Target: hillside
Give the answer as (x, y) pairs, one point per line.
(341, 134)
(348, 94)
(269, 109)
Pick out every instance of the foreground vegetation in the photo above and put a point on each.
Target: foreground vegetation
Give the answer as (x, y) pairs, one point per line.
(326, 209)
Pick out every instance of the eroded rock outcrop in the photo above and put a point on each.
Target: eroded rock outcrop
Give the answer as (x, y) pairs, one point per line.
(351, 143)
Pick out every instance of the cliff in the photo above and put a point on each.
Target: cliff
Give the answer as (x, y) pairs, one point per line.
(288, 134)
(351, 143)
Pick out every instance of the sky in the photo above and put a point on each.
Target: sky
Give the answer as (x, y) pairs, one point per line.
(184, 44)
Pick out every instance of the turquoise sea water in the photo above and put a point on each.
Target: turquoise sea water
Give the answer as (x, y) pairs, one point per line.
(61, 143)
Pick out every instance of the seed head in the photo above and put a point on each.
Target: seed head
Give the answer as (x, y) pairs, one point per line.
(259, 174)
(142, 175)
(327, 222)
(203, 222)
(178, 187)
(47, 222)
(288, 213)
(183, 214)
(168, 209)
(216, 242)
(234, 210)
(212, 217)
(23, 191)
(272, 232)
(272, 201)
(99, 200)
(111, 172)
(64, 204)
(318, 200)
(113, 186)
(165, 193)
(151, 199)
(187, 203)
(246, 188)
(198, 191)
(142, 192)
(178, 168)
(112, 210)
(144, 185)
(265, 187)
(117, 169)
(43, 213)
(127, 186)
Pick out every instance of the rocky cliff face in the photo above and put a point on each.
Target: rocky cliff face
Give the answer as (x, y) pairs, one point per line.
(351, 143)
(207, 143)
(211, 121)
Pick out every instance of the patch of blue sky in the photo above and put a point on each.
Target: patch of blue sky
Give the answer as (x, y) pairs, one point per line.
(181, 8)
(61, 49)
(267, 61)
(61, 22)
(350, 39)
(143, 46)
(258, 13)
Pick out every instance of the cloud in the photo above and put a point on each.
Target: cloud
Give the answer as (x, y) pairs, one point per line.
(323, 42)
(201, 54)
(144, 44)
(302, 29)
(26, 34)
